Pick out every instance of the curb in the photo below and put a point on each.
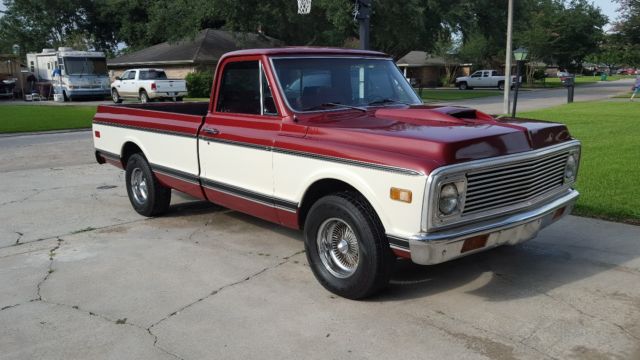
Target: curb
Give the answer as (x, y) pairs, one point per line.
(17, 134)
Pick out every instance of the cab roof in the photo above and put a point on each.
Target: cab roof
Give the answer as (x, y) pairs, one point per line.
(304, 51)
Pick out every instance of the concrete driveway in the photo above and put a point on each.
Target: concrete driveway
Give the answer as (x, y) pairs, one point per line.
(84, 277)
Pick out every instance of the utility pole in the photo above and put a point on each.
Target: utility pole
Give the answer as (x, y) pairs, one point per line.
(507, 61)
(363, 15)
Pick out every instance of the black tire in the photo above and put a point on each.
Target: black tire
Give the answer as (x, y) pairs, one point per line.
(64, 95)
(158, 197)
(463, 86)
(375, 259)
(115, 96)
(179, 98)
(501, 85)
(144, 98)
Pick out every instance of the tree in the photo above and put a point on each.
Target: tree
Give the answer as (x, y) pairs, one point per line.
(36, 24)
(561, 33)
(628, 30)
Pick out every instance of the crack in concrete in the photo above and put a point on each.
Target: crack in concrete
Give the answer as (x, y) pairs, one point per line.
(52, 254)
(123, 322)
(218, 290)
(39, 298)
(36, 192)
(75, 232)
(20, 235)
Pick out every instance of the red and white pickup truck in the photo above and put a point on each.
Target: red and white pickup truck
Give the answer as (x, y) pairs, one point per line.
(335, 142)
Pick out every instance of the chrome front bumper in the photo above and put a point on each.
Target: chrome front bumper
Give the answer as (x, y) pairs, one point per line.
(441, 246)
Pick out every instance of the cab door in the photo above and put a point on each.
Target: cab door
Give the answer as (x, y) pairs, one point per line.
(236, 140)
(475, 79)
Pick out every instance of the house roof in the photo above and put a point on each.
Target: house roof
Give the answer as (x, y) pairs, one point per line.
(206, 48)
(420, 58)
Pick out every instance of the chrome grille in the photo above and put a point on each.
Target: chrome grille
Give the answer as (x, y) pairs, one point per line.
(513, 183)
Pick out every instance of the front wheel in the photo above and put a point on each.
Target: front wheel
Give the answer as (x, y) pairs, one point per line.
(148, 197)
(346, 246)
(463, 86)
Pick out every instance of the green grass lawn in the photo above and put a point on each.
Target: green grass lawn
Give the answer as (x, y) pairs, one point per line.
(455, 94)
(609, 172)
(24, 118)
(580, 80)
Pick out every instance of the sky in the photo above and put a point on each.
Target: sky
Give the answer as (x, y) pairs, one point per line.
(608, 8)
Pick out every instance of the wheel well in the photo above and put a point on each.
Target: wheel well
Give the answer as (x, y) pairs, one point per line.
(129, 149)
(318, 190)
(141, 90)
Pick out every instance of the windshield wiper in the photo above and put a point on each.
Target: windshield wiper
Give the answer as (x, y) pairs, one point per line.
(386, 101)
(332, 104)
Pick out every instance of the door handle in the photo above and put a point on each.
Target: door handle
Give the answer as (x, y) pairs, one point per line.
(210, 131)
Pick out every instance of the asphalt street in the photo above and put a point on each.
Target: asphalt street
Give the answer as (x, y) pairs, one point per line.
(84, 277)
(542, 98)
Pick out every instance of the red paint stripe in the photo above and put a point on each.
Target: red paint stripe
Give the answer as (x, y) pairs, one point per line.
(184, 186)
(261, 211)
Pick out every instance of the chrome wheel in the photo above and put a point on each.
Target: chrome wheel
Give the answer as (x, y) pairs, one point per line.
(139, 187)
(338, 247)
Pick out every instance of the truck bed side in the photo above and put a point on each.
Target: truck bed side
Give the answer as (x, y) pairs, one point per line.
(166, 134)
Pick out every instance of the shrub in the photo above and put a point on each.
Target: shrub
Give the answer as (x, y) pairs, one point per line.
(199, 84)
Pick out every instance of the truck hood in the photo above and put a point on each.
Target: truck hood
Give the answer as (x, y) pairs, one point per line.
(444, 135)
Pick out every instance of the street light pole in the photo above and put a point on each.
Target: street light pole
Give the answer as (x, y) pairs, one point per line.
(520, 54)
(507, 61)
(363, 14)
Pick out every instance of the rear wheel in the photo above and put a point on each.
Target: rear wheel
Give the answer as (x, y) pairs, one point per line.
(346, 246)
(115, 96)
(144, 98)
(148, 197)
(501, 85)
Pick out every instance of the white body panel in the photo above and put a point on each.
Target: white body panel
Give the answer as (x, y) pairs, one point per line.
(293, 175)
(175, 152)
(243, 167)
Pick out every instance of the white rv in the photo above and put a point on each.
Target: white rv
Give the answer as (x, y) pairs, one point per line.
(82, 73)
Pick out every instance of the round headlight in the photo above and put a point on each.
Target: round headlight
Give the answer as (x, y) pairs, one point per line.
(571, 168)
(449, 199)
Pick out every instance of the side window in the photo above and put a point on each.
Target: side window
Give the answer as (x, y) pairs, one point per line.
(486, 74)
(240, 88)
(494, 73)
(125, 75)
(132, 75)
(476, 74)
(268, 105)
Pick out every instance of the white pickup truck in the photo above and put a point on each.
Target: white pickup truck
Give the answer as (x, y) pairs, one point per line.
(146, 85)
(482, 78)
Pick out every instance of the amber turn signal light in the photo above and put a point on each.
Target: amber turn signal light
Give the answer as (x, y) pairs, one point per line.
(400, 195)
(473, 243)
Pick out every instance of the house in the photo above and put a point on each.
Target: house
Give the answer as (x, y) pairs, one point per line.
(183, 57)
(426, 70)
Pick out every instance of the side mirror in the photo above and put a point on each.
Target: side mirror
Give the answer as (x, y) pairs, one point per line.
(118, 78)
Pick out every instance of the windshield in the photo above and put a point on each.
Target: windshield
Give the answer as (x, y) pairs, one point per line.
(85, 66)
(152, 75)
(312, 83)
